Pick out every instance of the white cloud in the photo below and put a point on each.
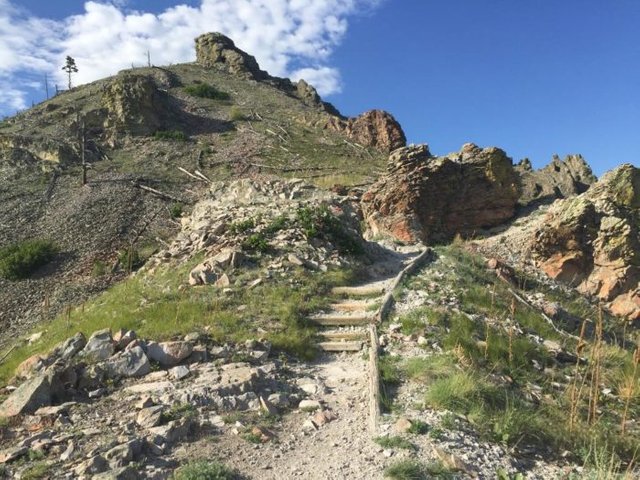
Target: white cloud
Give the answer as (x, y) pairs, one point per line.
(288, 38)
(324, 79)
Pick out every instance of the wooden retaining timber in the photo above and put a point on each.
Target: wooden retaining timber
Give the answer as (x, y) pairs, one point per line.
(388, 300)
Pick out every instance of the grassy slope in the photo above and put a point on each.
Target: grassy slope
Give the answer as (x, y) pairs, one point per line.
(490, 378)
(161, 306)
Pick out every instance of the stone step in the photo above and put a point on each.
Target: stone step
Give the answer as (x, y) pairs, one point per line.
(349, 335)
(337, 319)
(340, 346)
(362, 290)
(355, 305)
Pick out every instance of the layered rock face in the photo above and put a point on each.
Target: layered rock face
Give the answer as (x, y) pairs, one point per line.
(427, 198)
(375, 128)
(560, 179)
(592, 241)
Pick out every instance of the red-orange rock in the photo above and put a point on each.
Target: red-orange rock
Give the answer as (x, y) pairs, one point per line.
(427, 198)
(375, 128)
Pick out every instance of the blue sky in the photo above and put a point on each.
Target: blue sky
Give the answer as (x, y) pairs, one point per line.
(534, 77)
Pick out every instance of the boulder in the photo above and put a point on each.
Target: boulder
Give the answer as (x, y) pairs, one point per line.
(375, 128)
(431, 199)
(560, 179)
(150, 417)
(28, 397)
(70, 347)
(130, 363)
(592, 241)
(100, 346)
(169, 354)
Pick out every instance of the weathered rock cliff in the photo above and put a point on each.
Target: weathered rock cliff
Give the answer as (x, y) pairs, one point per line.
(593, 241)
(375, 128)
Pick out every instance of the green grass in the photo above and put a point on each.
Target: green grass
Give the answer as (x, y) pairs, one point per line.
(205, 470)
(20, 260)
(394, 442)
(484, 373)
(157, 307)
(415, 470)
(204, 90)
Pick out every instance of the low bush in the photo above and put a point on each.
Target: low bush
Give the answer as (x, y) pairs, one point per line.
(20, 260)
(204, 90)
(170, 135)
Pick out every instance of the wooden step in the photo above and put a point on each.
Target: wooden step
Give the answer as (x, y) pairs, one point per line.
(360, 291)
(350, 335)
(340, 346)
(355, 305)
(337, 319)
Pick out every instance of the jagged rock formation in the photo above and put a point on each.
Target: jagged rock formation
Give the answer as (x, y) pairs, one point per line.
(559, 179)
(422, 197)
(593, 241)
(375, 128)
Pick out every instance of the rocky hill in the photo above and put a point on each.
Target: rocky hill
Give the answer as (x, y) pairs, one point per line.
(249, 284)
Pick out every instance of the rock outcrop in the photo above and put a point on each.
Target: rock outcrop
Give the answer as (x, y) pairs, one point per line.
(215, 50)
(427, 198)
(375, 128)
(560, 179)
(592, 241)
(135, 106)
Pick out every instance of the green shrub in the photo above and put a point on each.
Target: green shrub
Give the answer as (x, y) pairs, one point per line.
(418, 427)
(170, 135)
(20, 260)
(205, 470)
(242, 226)
(176, 210)
(204, 90)
(319, 222)
(256, 243)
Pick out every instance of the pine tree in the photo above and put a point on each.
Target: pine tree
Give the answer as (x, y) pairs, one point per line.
(70, 67)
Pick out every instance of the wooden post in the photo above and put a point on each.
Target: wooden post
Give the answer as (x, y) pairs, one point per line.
(46, 85)
(148, 58)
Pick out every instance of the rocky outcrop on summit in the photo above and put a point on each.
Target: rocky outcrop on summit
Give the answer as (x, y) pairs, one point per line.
(560, 179)
(215, 50)
(375, 128)
(422, 197)
(593, 241)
